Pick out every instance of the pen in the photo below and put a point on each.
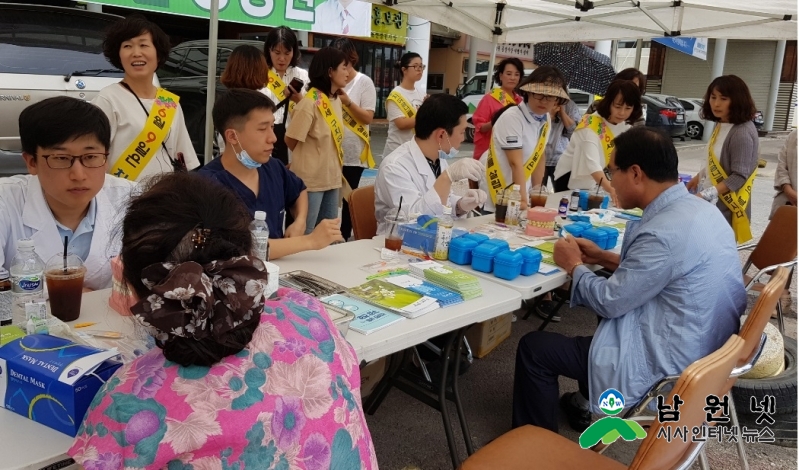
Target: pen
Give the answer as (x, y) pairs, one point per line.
(84, 324)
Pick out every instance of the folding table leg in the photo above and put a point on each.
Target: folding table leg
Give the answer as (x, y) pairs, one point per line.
(395, 364)
(467, 436)
(442, 399)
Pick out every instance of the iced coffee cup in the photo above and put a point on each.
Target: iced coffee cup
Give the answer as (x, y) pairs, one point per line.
(538, 196)
(64, 279)
(393, 240)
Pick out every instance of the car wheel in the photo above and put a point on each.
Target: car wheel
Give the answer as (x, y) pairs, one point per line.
(781, 386)
(694, 130)
(470, 134)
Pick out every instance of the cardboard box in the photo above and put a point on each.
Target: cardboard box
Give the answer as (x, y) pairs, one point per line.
(371, 375)
(51, 380)
(484, 337)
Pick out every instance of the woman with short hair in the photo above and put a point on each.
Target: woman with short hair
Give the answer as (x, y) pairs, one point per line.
(148, 130)
(507, 76)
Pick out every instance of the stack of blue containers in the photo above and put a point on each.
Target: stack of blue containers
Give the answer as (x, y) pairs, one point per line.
(492, 255)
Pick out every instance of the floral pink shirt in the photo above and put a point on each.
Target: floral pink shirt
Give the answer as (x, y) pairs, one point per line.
(291, 400)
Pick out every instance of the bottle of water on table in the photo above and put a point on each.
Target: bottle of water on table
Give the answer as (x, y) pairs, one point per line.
(27, 284)
(260, 236)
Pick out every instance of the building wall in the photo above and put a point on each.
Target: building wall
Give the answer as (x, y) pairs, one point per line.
(443, 60)
(688, 77)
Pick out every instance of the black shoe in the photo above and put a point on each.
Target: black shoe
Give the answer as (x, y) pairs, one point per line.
(543, 308)
(579, 419)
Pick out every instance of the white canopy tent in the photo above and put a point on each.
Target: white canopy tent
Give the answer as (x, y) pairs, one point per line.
(583, 20)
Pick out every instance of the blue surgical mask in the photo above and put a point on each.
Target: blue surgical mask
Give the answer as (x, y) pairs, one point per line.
(453, 152)
(244, 157)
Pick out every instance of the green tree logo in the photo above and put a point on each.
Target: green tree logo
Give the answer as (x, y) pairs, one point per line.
(610, 428)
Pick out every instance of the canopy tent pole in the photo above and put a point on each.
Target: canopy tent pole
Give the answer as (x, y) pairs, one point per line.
(213, 33)
(717, 70)
(497, 33)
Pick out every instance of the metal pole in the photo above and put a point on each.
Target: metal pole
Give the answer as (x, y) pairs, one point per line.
(213, 32)
(639, 47)
(776, 73)
(491, 61)
(717, 70)
(471, 68)
(614, 53)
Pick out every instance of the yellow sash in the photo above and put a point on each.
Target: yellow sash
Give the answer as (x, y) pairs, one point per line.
(323, 103)
(403, 104)
(597, 124)
(504, 99)
(132, 161)
(360, 130)
(496, 180)
(277, 86)
(736, 202)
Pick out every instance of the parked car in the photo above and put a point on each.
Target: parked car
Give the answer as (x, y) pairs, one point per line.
(695, 125)
(47, 51)
(185, 73)
(473, 91)
(665, 113)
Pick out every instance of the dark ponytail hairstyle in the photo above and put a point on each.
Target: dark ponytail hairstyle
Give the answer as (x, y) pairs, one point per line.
(157, 228)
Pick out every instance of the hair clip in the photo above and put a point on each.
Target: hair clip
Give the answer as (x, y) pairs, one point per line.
(199, 237)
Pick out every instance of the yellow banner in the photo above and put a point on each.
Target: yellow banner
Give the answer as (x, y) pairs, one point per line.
(403, 104)
(496, 180)
(323, 103)
(736, 202)
(360, 130)
(274, 83)
(597, 124)
(132, 161)
(389, 25)
(504, 98)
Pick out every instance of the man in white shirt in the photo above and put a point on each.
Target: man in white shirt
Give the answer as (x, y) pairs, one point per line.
(65, 144)
(417, 171)
(346, 17)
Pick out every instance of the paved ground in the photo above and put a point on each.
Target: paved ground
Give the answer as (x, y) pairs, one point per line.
(409, 435)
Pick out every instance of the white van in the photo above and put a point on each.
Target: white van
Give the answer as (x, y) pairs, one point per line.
(473, 91)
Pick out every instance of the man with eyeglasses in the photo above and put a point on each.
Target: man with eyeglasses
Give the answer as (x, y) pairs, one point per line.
(675, 295)
(65, 145)
(516, 154)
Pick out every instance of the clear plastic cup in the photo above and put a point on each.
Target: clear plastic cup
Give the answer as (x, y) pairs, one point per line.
(393, 238)
(65, 285)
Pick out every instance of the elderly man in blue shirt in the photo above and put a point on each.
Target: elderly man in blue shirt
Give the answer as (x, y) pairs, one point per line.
(675, 296)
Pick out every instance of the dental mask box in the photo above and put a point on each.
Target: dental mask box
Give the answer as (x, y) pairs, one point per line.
(51, 380)
(421, 234)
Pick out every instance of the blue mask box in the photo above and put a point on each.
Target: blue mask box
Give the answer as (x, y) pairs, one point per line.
(51, 380)
(421, 235)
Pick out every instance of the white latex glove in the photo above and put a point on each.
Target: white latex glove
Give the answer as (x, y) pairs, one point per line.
(465, 168)
(472, 199)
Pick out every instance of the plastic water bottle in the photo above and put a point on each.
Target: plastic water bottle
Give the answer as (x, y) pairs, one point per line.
(27, 280)
(260, 236)
(514, 206)
(5, 297)
(444, 234)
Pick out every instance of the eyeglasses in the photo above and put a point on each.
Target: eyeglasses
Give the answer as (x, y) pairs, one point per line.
(417, 67)
(544, 98)
(609, 172)
(59, 161)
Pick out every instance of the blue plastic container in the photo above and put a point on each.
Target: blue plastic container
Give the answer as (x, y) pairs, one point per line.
(584, 199)
(478, 237)
(613, 237)
(460, 250)
(508, 265)
(598, 236)
(483, 255)
(532, 260)
(577, 228)
(605, 202)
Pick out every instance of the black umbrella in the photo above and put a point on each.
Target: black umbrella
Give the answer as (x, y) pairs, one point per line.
(584, 68)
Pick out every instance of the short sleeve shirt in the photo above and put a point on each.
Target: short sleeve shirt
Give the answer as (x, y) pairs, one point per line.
(516, 129)
(396, 136)
(278, 190)
(361, 91)
(315, 158)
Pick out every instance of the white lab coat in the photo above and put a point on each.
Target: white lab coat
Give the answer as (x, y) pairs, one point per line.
(24, 213)
(405, 173)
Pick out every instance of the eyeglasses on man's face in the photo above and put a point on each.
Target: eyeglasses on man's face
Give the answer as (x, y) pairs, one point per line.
(62, 161)
(544, 98)
(609, 172)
